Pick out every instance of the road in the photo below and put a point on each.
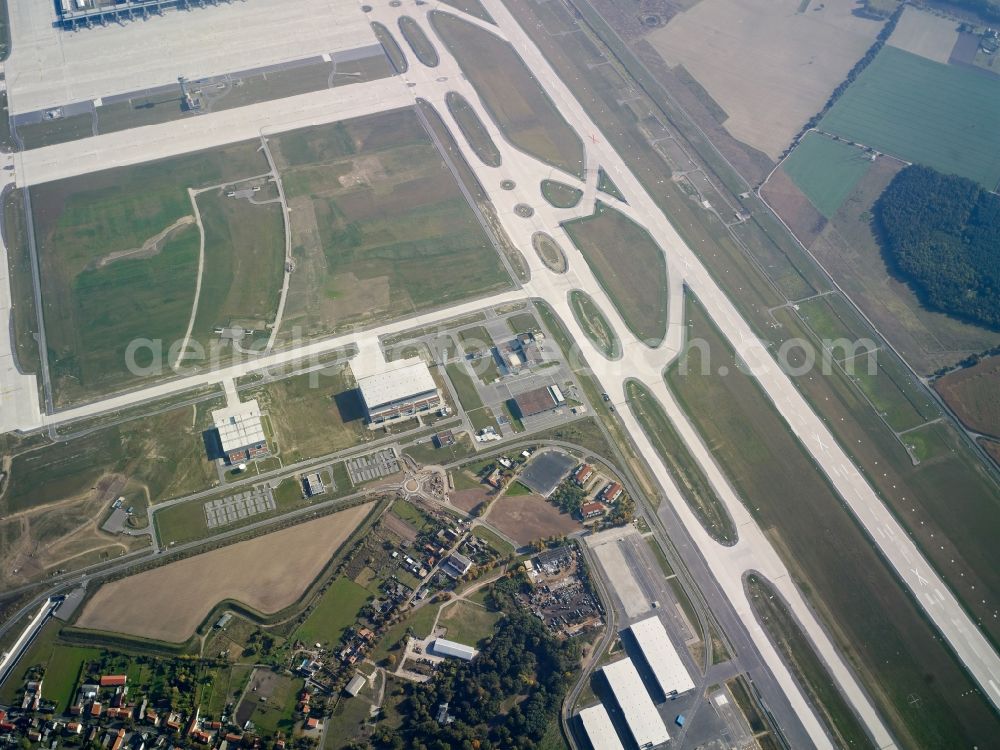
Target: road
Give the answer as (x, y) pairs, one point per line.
(727, 565)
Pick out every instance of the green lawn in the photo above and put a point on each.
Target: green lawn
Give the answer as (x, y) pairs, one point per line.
(629, 266)
(473, 129)
(422, 47)
(391, 47)
(606, 185)
(336, 611)
(560, 195)
(468, 623)
(944, 116)
(472, 7)
(826, 170)
(594, 324)
(464, 386)
(511, 93)
(500, 545)
(686, 473)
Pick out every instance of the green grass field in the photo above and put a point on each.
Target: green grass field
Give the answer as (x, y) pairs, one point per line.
(244, 263)
(473, 130)
(379, 226)
(826, 171)
(629, 266)
(336, 611)
(418, 41)
(62, 665)
(806, 666)
(24, 320)
(943, 116)
(468, 623)
(102, 287)
(606, 185)
(559, 194)
(594, 324)
(472, 7)
(392, 49)
(686, 473)
(511, 93)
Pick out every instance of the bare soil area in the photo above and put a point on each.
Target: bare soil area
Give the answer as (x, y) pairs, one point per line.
(925, 34)
(525, 518)
(467, 500)
(268, 574)
(972, 395)
(768, 66)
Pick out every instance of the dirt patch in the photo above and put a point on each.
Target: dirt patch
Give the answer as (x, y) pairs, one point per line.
(467, 500)
(794, 208)
(525, 518)
(150, 247)
(769, 67)
(972, 395)
(268, 574)
(399, 527)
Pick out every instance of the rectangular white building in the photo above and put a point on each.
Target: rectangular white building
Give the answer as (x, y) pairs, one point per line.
(663, 659)
(444, 647)
(644, 722)
(241, 432)
(400, 389)
(600, 731)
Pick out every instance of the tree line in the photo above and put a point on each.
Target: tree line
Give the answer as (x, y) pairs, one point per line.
(941, 233)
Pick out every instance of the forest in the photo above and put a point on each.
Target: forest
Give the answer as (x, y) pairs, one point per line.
(941, 233)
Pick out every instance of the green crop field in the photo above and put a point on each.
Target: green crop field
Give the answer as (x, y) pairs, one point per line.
(629, 266)
(511, 93)
(118, 256)
(826, 170)
(336, 610)
(594, 324)
(379, 226)
(943, 116)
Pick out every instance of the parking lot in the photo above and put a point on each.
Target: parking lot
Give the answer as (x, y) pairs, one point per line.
(227, 510)
(373, 466)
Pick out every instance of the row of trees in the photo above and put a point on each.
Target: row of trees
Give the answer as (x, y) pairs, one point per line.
(942, 234)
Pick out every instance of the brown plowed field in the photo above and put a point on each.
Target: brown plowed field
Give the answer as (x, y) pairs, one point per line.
(525, 518)
(268, 574)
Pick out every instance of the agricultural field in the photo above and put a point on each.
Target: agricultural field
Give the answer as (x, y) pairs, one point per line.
(467, 622)
(527, 518)
(118, 255)
(473, 130)
(972, 394)
(919, 110)
(594, 324)
(629, 266)
(313, 414)
(925, 34)
(259, 573)
(750, 58)
(826, 171)
(874, 622)
(850, 252)
(685, 471)
(379, 226)
(512, 95)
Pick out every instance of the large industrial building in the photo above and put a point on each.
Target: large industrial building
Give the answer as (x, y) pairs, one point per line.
(538, 401)
(600, 731)
(401, 389)
(661, 656)
(644, 722)
(444, 647)
(241, 433)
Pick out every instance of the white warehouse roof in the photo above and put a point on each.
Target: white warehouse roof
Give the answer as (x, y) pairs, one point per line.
(445, 647)
(239, 426)
(648, 729)
(398, 381)
(662, 657)
(600, 731)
